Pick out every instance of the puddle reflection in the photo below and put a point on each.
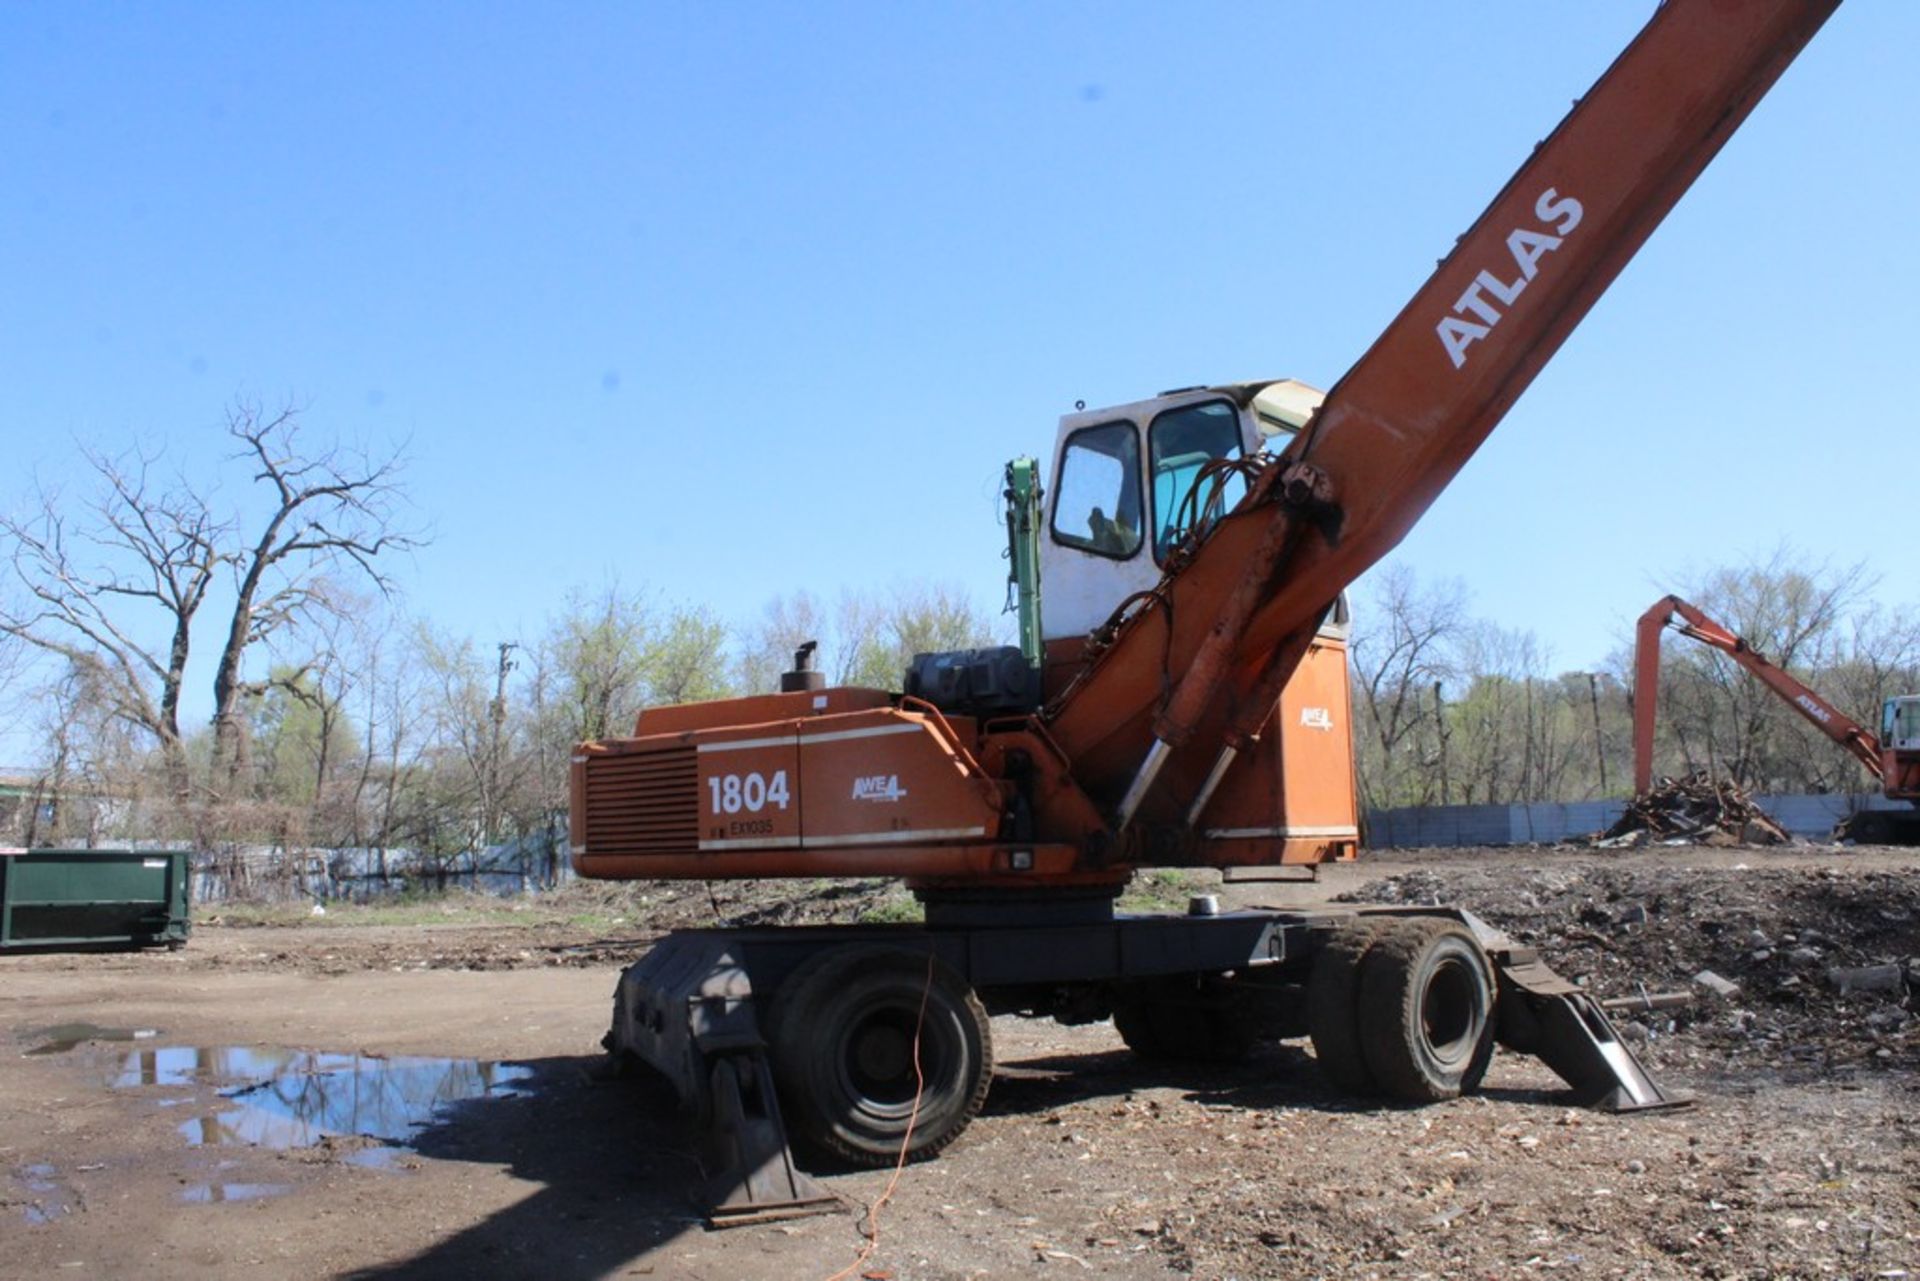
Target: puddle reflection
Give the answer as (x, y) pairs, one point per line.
(48, 1200)
(62, 1037)
(208, 1193)
(377, 1158)
(295, 1098)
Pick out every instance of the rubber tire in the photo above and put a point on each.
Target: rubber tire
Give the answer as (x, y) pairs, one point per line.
(1175, 1021)
(1333, 1010)
(1138, 1030)
(841, 1034)
(1865, 827)
(1427, 1010)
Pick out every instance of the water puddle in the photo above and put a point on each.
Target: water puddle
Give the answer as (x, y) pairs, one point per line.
(378, 1156)
(298, 1099)
(47, 1200)
(208, 1193)
(62, 1037)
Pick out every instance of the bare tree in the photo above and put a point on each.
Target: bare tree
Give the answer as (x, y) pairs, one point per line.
(767, 645)
(396, 711)
(855, 643)
(49, 817)
(866, 638)
(95, 782)
(685, 658)
(341, 662)
(924, 618)
(332, 511)
(114, 586)
(597, 651)
(92, 578)
(1877, 658)
(303, 726)
(465, 780)
(1404, 638)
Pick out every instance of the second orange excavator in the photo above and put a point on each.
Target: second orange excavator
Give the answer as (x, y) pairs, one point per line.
(1893, 757)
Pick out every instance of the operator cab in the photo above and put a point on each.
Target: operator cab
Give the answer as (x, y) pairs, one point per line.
(1122, 477)
(1900, 749)
(1118, 511)
(1900, 723)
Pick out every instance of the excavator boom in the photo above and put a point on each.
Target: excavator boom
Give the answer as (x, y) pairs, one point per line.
(1819, 713)
(1400, 424)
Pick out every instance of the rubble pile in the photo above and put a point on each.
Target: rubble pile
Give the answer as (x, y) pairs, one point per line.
(1696, 808)
(1790, 968)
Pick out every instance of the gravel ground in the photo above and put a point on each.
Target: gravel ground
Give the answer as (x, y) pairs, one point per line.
(1798, 1159)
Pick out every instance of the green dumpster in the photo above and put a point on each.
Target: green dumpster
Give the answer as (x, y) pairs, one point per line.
(61, 899)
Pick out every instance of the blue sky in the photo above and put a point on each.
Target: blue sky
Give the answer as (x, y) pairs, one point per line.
(724, 301)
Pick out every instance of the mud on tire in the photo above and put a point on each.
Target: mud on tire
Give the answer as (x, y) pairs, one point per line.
(1426, 1010)
(842, 1036)
(1333, 1009)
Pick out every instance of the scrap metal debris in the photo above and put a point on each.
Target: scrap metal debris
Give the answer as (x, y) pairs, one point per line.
(1697, 808)
(1786, 966)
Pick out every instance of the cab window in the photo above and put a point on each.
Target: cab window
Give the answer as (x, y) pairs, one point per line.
(1900, 722)
(1181, 442)
(1098, 504)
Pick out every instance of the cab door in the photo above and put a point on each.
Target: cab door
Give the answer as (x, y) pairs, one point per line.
(1119, 501)
(1094, 554)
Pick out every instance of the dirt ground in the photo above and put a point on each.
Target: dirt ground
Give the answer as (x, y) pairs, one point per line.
(122, 1158)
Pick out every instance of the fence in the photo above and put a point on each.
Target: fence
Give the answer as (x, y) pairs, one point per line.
(1811, 816)
(274, 873)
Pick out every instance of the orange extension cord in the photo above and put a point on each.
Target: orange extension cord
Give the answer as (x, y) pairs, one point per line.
(906, 1140)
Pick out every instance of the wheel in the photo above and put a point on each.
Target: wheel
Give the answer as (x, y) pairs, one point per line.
(1333, 1009)
(1137, 1028)
(1426, 1010)
(1864, 827)
(843, 1033)
(1176, 1019)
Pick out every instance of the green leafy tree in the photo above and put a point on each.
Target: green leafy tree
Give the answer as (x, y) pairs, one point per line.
(302, 734)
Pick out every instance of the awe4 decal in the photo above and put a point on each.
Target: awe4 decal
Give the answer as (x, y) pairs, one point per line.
(879, 787)
(1527, 245)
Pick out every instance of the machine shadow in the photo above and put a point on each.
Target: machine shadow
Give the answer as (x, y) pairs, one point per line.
(613, 1164)
(1273, 1076)
(609, 1159)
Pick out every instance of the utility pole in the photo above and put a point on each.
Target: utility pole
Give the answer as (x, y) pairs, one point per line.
(1599, 748)
(1440, 727)
(497, 713)
(1526, 751)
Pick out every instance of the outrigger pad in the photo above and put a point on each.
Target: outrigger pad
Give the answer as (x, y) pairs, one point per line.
(686, 1009)
(755, 1180)
(1544, 1015)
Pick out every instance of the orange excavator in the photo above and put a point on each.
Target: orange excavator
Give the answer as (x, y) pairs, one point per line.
(1179, 699)
(1893, 757)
